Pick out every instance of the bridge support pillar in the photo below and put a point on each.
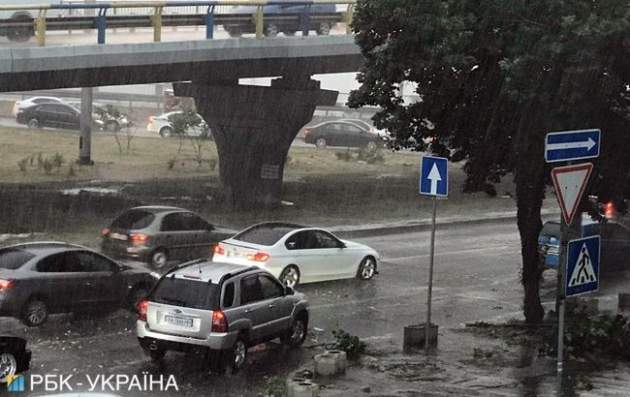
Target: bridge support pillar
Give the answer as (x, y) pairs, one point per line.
(85, 140)
(253, 128)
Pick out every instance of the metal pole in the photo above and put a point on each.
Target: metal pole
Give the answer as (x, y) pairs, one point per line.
(560, 298)
(85, 141)
(431, 255)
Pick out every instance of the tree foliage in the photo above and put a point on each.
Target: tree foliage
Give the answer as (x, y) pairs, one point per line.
(494, 77)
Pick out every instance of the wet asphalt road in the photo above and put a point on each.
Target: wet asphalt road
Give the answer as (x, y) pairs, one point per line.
(476, 277)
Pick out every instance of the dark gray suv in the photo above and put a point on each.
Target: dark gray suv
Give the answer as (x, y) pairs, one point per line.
(225, 308)
(158, 235)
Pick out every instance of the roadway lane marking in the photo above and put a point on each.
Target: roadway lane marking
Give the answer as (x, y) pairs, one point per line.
(454, 252)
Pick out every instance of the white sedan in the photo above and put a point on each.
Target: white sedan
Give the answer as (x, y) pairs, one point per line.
(297, 254)
(162, 125)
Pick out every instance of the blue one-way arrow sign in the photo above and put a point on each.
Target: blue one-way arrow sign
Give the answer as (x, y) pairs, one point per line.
(572, 145)
(434, 176)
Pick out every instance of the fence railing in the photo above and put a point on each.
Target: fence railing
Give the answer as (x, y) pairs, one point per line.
(263, 17)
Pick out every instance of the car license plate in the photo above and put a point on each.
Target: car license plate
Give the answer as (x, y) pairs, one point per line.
(179, 321)
(118, 236)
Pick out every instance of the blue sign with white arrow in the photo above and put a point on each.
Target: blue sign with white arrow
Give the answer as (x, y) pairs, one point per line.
(434, 176)
(582, 271)
(572, 145)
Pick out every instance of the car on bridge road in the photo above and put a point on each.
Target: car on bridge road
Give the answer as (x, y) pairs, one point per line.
(225, 308)
(297, 254)
(289, 24)
(41, 278)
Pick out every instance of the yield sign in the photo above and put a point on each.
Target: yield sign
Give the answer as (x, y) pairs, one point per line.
(569, 183)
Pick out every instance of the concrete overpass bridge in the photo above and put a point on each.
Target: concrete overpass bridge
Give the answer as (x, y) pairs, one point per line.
(253, 126)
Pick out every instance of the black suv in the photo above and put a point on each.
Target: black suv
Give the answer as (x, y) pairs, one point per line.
(37, 279)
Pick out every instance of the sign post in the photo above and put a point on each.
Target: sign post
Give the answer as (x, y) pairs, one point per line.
(569, 184)
(434, 183)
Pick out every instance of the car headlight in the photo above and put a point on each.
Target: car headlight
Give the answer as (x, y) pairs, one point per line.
(156, 275)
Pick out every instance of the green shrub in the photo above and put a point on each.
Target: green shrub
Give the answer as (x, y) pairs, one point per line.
(351, 344)
(345, 156)
(23, 164)
(47, 165)
(57, 160)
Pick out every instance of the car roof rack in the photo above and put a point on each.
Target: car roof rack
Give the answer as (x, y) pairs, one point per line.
(229, 275)
(45, 243)
(185, 264)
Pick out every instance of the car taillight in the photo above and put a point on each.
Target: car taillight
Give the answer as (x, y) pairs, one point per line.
(609, 209)
(104, 232)
(138, 238)
(259, 257)
(218, 249)
(5, 284)
(143, 308)
(306, 132)
(219, 322)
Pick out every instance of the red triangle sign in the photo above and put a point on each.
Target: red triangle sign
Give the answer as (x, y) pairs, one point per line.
(569, 183)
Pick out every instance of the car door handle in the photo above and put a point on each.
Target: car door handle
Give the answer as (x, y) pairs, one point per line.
(271, 306)
(249, 310)
(87, 283)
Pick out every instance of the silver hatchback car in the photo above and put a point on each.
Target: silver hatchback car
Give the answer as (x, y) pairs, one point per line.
(222, 308)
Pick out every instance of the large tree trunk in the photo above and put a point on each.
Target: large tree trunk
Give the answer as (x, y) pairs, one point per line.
(530, 191)
(253, 128)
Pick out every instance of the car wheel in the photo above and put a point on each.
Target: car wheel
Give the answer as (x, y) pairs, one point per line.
(23, 34)
(235, 358)
(35, 313)
(159, 259)
(367, 268)
(8, 366)
(324, 29)
(290, 276)
(271, 30)
(233, 32)
(137, 294)
(33, 123)
(112, 126)
(296, 335)
(371, 146)
(166, 132)
(320, 143)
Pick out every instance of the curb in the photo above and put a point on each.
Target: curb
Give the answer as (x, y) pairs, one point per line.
(410, 227)
(425, 225)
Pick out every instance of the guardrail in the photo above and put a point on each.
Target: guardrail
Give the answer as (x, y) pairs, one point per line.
(301, 15)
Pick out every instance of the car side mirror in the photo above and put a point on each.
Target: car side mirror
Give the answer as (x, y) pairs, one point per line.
(288, 290)
(342, 245)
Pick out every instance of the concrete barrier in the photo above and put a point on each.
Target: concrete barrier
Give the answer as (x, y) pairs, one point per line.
(330, 363)
(300, 384)
(414, 336)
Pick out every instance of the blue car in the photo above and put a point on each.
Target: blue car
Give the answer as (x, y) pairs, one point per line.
(615, 242)
(285, 18)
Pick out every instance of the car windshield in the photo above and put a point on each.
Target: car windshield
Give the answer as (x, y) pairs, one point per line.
(186, 293)
(134, 219)
(266, 234)
(13, 258)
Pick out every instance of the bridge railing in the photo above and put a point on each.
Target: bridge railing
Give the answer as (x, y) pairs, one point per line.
(236, 16)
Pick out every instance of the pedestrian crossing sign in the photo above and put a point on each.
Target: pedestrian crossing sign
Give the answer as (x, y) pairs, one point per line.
(582, 267)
